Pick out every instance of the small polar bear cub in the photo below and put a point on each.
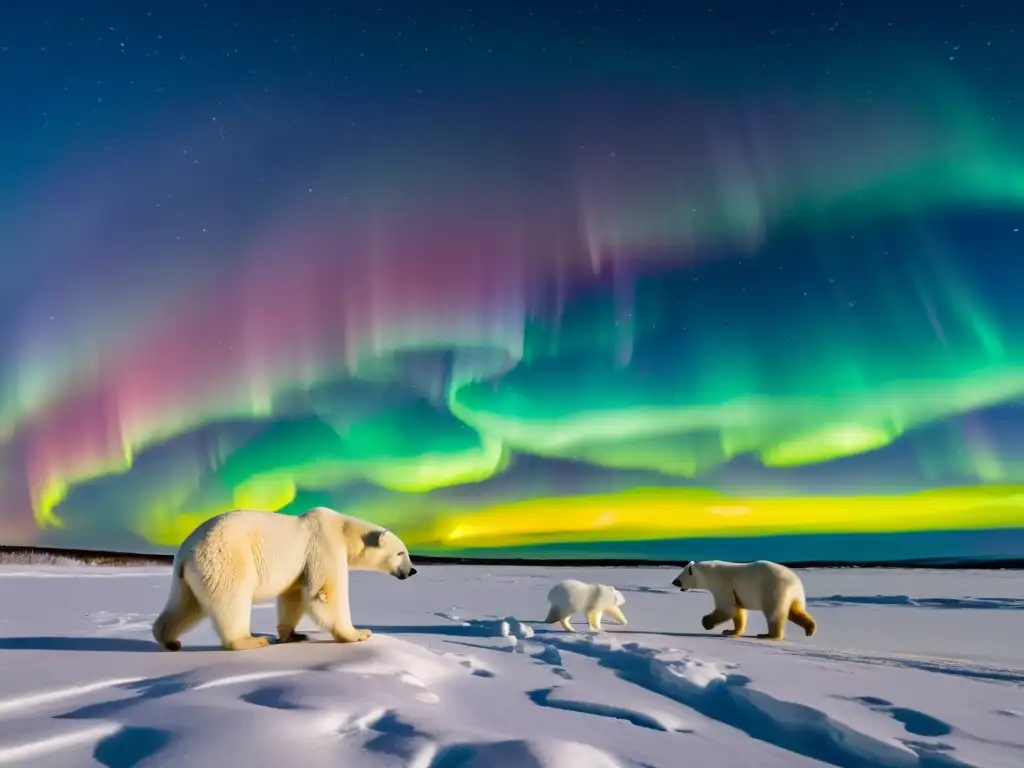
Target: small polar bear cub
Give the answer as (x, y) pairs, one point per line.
(758, 586)
(592, 600)
(244, 556)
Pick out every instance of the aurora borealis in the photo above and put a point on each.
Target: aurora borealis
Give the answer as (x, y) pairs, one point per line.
(517, 280)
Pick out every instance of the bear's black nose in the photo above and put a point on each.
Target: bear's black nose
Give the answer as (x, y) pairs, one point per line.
(412, 571)
(676, 583)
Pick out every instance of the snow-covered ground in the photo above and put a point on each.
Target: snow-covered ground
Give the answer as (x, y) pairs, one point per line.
(908, 669)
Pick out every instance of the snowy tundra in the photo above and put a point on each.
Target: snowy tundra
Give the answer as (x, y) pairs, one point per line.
(907, 669)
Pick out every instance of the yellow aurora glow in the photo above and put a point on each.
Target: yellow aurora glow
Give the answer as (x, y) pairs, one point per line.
(668, 514)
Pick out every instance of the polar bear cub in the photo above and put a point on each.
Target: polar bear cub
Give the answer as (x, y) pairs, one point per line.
(593, 600)
(758, 586)
(244, 556)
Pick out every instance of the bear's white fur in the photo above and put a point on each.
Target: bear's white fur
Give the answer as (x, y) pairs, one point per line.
(592, 600)
(243, 557)
(758, 586)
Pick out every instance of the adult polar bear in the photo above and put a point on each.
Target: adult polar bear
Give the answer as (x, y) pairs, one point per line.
(758, 586)
(243, 557)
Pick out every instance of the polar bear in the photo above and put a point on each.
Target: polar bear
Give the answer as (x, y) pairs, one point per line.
(571, 596)
(244, 556)
(759, 586)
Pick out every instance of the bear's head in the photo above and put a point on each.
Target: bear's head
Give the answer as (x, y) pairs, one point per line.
(619, 599)
(691, 578)
(384, 552)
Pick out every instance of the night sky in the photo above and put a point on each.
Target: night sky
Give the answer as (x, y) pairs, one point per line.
(660, 280)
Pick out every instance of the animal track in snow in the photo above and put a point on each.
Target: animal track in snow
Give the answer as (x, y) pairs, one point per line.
(716, 692)
(915, 722)
(107, 621)
(552, 657)
(471, 663)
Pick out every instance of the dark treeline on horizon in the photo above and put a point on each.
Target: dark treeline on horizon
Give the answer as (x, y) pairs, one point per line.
(11, 555)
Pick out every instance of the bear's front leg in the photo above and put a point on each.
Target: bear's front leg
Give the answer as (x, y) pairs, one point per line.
(352, 635)
(716, 617)
(616, 613)
(739, 620)
(331, 611)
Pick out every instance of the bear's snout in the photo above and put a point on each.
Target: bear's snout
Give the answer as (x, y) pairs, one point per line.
(403, 575)
(677, 582)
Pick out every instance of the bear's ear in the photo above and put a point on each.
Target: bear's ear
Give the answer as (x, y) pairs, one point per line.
(375, 538)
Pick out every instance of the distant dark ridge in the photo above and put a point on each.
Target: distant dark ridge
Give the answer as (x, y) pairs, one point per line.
(48, 556)
(952, 565)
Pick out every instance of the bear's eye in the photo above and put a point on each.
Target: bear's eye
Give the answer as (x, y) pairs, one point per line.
(689, 570)
(401, 554)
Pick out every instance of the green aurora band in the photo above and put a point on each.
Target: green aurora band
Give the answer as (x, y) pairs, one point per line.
(679, 338)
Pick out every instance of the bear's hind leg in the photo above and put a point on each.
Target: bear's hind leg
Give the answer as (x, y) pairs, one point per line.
(231, 616)
(180, 614)
(739, 623)
(291, 606)
(566, 624)
(798, 615)
(776, 628)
